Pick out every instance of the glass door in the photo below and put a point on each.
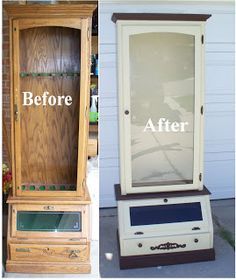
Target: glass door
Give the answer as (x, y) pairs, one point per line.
(50, 221)
(50, 105)
(46, 221)
(161, 104)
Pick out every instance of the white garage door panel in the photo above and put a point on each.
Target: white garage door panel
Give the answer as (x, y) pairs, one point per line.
(108, 82)
(108, 177)
(220, 35)
(219, 126)
(219, 178)
(219, 78)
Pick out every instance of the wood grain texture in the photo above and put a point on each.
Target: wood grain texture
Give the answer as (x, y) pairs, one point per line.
(45, 11)
(16, 102)
(47, 252)
(50, 49)
(73, 22)
(52, 241)
(49, 134)
(73, 200)
(84, 104)
(49, 267)
(59, 143)
(92, 147)
(51, 52)
(12, 108)
(84, 233)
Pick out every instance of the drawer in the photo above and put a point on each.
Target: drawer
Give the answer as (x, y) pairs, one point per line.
(47, 253)
(168, 244)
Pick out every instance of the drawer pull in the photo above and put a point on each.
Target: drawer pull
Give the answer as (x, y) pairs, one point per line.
(168, 246)
(196, 240)
(23, 250)
(138, 233)
(140, 245)
(73, 254)
(48, 207)
(74, 239)
(196, 228)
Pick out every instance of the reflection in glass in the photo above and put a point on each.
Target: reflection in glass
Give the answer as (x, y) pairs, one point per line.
(161, 86)
(59, 221)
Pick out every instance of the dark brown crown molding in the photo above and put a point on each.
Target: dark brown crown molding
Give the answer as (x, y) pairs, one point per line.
(162, 16)
(119, 196)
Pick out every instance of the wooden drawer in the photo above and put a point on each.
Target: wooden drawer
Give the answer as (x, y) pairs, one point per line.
(168, 244)
(47, 253)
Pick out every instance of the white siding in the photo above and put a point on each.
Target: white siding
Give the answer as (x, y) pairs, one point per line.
(219, 94)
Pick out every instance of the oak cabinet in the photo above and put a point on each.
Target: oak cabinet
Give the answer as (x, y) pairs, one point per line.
(50, 142)
(48, 224)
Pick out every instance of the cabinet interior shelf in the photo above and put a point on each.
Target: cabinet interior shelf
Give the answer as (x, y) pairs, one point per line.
(52, 74)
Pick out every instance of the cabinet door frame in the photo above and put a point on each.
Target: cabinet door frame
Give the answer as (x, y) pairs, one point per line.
(128, 231)
(125, 28)
(84, 24)
(84, 209)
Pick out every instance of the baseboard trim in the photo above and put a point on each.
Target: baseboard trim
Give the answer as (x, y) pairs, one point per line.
(49, 267)
(127, 262)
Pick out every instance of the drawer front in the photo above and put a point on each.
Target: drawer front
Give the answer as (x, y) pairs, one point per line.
(178, 215)
(47, 253)
(161, 245)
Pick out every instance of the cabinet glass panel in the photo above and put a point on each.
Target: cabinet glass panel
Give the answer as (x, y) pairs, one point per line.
(49, 221)
(162, 70)
(49, 62)
(163, 214)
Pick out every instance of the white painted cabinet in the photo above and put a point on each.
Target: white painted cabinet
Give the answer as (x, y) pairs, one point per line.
(161, 90)
(163, 206)
(219, 92)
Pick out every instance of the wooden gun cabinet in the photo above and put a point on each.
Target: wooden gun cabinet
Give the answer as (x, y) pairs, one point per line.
(48, 224)
(163, 207)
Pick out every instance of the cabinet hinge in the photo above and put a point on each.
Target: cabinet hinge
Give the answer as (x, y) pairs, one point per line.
(200, 177)
(88, 33)
(202, 39)
(201, 110)
(16, 112)
(83, 184)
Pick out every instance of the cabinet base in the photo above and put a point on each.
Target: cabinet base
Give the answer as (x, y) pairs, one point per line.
(128, 262)
(49, 267)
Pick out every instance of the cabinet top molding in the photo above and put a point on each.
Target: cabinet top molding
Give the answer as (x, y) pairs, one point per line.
(159, 16)
(44, 10)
